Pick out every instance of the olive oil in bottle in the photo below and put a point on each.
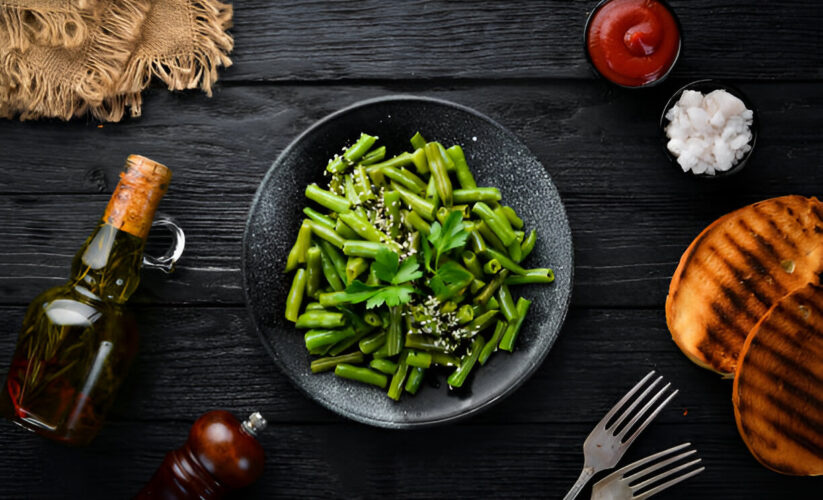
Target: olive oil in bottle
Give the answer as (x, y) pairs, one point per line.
(77, 342)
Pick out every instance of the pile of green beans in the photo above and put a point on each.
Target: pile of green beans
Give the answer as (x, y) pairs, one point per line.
(373, 205)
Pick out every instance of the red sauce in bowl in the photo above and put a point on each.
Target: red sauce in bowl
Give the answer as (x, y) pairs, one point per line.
(633, 42)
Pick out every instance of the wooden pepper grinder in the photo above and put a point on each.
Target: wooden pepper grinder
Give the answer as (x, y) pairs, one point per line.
(221, 454)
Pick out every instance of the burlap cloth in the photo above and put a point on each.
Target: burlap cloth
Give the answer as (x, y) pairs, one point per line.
(66, 58)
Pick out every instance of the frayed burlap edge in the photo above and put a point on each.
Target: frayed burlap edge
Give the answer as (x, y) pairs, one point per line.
(24, 27)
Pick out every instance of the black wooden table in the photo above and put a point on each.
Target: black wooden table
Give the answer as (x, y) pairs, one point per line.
(521, 62)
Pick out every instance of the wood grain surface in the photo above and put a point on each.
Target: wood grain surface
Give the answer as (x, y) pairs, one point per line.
(521, 62)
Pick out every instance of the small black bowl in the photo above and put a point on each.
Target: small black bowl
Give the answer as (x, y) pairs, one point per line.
(704, 87)
(646, 85)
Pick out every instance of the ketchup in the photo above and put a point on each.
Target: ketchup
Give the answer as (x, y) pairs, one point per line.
(633, 42)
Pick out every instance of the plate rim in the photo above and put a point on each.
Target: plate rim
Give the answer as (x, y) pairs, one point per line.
(534, 363)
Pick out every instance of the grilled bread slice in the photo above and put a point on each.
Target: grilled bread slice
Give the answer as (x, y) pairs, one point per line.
(778, 385)
(736, 269)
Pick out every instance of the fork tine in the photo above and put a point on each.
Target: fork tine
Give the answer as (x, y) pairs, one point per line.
(634, 465)
(639, 399)
(625, 398)
(667, 473)
(671, 482)
(649, 418)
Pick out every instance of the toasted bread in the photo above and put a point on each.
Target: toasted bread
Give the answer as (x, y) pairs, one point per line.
(736, 269)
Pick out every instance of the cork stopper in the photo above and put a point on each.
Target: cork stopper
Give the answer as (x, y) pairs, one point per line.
(142, 185)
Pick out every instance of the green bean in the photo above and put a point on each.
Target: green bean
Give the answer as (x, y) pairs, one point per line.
(417, 141)
(448, 306)
(532, 276)
(352, 154)
(373, 156)
(314, 271)
(295, 296)
(391, 200)
(482, 322)
(443, 359)
(437, 165)
(372, 318)
(320, 319)
(400, 160)
(376, 175)
(431, 192)
(394, 336)
(500, 227)
(344, 230)
(414, 242)
(419, 160)
(515, 252)
(457, 378)
(336, 259)
(327, 198)
(519, 236)
(315, 306)
(493, 303)
(358, 248)
(492, 266)
(372, 343)
(318, 217)
(507, 342)
(372, 280)
(297, 254)
(489, 237)
(406, 178)
(327, 234)
(476, 285)
(382, 352)
(506, 302)
(505, 261)
(345, 344)
(477, 242)
(426, 343)
(414, 380)
(351, 193)
(491, 345)
(419, 359)
(326, 364)
(414, 221)
(355, 267)
(510, 214)
(361, 374)
(385, 366)
(317, 339)
(472, 263)
(473, 195)
(461, 168)
(330, 272)
(422, 207)
(363, 184)
(501, 216)
(396, 386)
(465, 314)
(363, 227)
(491, 288)
(528, 244)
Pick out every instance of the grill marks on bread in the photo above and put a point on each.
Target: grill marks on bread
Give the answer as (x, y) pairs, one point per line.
(778, 386)
(736, 269)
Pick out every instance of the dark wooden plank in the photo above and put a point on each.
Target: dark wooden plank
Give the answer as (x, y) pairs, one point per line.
(353, 461)
(196, 358)
(288, 41)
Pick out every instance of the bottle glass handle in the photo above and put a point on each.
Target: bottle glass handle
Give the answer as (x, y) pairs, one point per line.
(167, 261)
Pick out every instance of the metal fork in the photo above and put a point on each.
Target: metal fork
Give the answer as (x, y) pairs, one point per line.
(619, 486)
(604, 447)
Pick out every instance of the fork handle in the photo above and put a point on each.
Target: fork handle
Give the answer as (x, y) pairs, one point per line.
(581, 482)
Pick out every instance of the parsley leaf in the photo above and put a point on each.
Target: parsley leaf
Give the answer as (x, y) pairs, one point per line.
(392, 295)
(388, 268)
(452, 234)
(450, 279)
(408, 271)
(427, 255)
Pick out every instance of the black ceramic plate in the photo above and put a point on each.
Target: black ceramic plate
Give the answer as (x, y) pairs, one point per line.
(497, 158)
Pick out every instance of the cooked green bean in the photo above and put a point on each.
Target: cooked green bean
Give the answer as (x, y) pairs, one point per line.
(493, 303)
(505, 261)
(426, 343)
(327, 198)
(315, 306)
(414, 242)
(355, 152)
(414, 380)
(385, 366)
(414, 221)
(391, 200)
(457, 378)
(363, 184)
(461, 168)
(519, 236)
(297, 254)
(491, 288)
(499, 226)
(345, 344)
(507, 342)
(394, 335)
(507, 307)
(417, 141)
(503, 218)
(373, 156)
(344, 230)
(363, 227)
(406, 178)
(431, 193)
(510, 214)
(372, 318)
(472, 263)
(437, 165)
(492, 266)
(318, 217)
(475, 194)
(515, 252)
(477, 241)
(419, 359)
(327, 234)
(351, 192)
(489, 237)
(443, 359)
(314, 271)
(420, 162)
(320, 319)
(528, 243)
(400, 160)
(372, 280)
(295, 296)
(396, 386)
(361, 374)
(483, 321)
(491, 345)
(359, 248)
(316, 339)
(465, 314)
(372, 343)
(531, 276)
(337, 260)
(355, 267)
(476, 285)
(330, 272)
(422, 207)
(326, 364)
